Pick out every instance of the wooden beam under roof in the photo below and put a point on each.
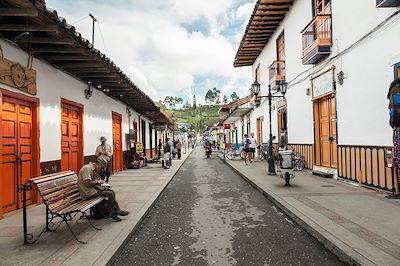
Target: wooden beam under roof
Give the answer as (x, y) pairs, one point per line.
(28, 27)
(46, 40)
(69, 57)
(77, 71)
(58, 49)
(104, 79)
(18, 12)
(81, 65)
(98, 75)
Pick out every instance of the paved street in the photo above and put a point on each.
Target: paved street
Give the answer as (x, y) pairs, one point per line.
(208, 215)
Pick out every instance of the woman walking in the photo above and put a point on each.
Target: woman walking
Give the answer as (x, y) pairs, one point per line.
(246, 148)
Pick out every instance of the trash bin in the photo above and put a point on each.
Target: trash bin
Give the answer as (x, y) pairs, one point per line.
(287, 159)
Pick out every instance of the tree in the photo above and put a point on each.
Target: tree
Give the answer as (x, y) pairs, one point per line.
(225, 99)
(209, 97)
(216, 94)
(234, 96)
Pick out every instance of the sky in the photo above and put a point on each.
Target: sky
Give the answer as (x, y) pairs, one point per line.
(168, 47)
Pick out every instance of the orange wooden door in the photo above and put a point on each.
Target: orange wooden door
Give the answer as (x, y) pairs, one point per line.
(17, 158)
(117, 141)
(324, 132)
(71, 137)
(333, 132)
(327, 131)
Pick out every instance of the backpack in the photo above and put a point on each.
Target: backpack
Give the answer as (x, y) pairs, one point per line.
(99, 211)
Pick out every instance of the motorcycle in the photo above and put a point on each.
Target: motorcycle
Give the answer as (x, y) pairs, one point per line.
(208, 152)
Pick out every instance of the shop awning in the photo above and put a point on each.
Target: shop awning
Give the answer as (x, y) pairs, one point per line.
(266, 17)
(237, 114)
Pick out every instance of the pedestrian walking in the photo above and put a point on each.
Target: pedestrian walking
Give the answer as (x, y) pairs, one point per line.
(252, 147)
(104, 150)
(246, 148)
(178, 147)
(167, 154)
(394, 111)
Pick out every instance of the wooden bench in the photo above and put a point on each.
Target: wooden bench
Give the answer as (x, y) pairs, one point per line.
(61, 197)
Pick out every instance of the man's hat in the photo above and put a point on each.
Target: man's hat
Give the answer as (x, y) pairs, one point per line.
(102, 161)
(102, 138)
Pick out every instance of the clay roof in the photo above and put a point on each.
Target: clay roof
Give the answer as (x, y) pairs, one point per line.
(265, 19)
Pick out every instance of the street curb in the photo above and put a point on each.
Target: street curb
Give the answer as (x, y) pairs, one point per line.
(116, 246)
(344, 252)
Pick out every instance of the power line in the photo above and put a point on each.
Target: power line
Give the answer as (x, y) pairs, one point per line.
(102, 37)
(79, 20)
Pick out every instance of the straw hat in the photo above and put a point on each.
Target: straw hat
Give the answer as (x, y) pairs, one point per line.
(102, 161)
(102, 138)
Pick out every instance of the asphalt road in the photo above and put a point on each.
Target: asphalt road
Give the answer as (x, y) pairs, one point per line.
(208, 215)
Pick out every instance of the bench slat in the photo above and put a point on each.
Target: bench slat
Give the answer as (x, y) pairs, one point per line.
(82, 205)
(44, 178)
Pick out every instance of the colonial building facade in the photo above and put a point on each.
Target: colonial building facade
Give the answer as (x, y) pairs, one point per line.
(58, 96)
(338, 59)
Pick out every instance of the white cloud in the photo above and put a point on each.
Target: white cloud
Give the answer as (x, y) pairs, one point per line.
(149, 42)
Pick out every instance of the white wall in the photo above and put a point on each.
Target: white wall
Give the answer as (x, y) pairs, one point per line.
(361, 100)
(52, 85)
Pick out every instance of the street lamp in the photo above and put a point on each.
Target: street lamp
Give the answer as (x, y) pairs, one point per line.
(254, 91)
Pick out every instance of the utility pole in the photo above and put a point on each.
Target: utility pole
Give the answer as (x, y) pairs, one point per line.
(93, 21)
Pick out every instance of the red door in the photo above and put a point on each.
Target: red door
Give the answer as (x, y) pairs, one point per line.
(17, 158)
(117, 141)
(71, 137)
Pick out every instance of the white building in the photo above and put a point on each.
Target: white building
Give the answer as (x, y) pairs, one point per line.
(58, 96)
(338, 59)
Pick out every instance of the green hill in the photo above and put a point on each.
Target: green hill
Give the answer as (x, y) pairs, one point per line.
(199, 118)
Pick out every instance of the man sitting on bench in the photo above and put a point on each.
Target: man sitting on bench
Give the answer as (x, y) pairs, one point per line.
(90, 186)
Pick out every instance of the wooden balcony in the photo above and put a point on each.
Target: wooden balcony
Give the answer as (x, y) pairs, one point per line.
(276, 72)
(317, 39)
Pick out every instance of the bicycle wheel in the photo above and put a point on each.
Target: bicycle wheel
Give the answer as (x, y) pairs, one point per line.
(299, 164)
(231, 155)
(260, 154)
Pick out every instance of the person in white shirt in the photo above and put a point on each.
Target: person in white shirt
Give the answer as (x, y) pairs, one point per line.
(253, 146)
(104, 150)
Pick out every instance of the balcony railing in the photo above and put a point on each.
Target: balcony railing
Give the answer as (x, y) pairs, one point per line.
(317, 33)
(277, 71)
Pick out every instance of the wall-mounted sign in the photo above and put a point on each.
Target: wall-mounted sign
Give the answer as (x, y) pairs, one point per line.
(17, 76)
(281, 103)
(323, 84)
(160, 127)
(139, 147)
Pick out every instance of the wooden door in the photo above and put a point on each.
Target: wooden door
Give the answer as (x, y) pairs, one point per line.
(327, 131)
(259, 130)
(117, 141)
(17, 150)
(71, 137)
(332, 131)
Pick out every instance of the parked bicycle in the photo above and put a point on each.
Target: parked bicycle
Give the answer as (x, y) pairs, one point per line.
(299, 162)
(233, 153)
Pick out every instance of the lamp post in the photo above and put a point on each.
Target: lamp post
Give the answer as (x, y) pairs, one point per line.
(254, 91)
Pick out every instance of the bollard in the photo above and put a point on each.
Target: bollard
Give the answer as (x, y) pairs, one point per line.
(287, 179)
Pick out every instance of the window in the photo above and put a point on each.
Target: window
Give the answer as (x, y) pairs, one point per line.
(322, 7)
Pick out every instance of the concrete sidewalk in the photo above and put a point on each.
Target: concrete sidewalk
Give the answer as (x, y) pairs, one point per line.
(359, 225)
(136, 191)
